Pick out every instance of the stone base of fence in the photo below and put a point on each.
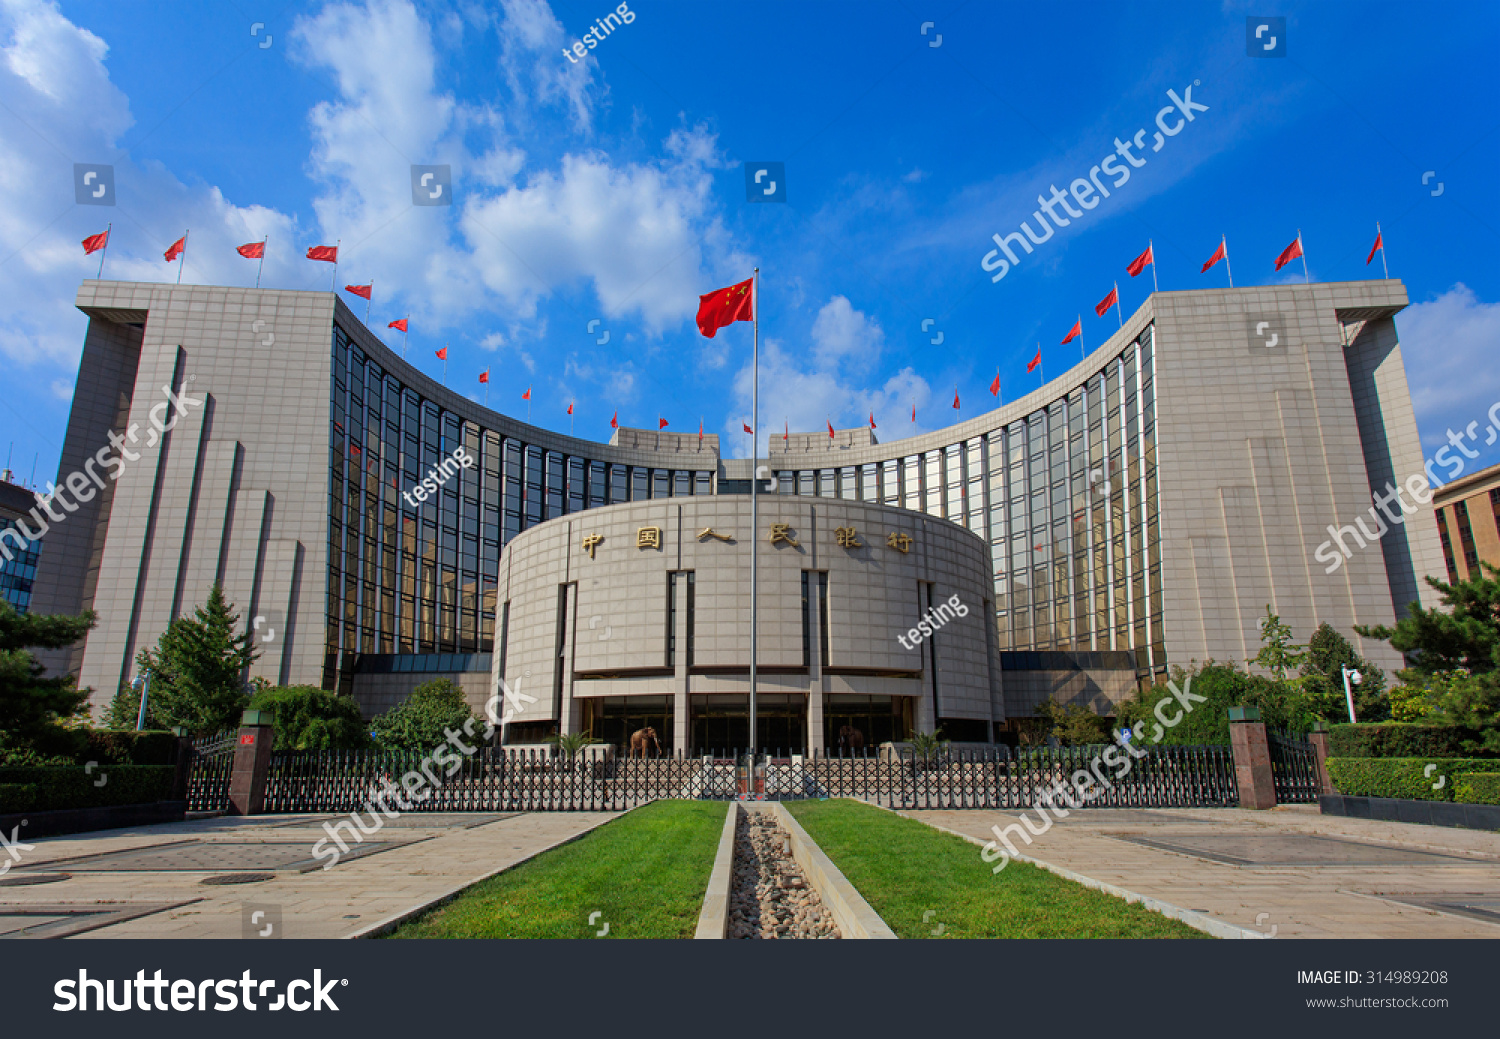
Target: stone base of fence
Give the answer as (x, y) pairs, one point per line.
(84, 820)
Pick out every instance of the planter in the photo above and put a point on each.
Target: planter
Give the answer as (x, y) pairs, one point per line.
(1399, 810)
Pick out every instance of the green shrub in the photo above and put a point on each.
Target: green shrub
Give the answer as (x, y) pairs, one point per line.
(1477, 788)
(309, 718)
(1404, 740)
(73, 787)
(17, 797)
(116, 747)
(1401, 777)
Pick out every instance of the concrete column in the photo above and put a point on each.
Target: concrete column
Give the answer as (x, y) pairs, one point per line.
(252, 762)
(680, 729)
(1252, 758)
(1319, 740)
(814, 717)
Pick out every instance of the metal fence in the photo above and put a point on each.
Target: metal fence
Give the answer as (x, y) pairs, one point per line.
(208, 780)
(1294, 767)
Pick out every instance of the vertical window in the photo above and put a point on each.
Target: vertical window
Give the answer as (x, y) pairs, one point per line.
(823, 617)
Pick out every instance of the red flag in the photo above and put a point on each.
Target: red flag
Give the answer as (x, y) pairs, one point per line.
(1031, 365)
(747, 428)
(253, 251)
(786, 431)
(362, 291)
(872, 421)
(955, 400)
(1290, 253)
(442, 354)
(723, 306)
(830, 429)
(1373, 249)
(1218, 255)
(326, 253)
(527, 394)
(1102, 307)
(94, 242)
(1141, 262)
(661, 423)
(570, 407)
(914, 411)
(995, 386)
(1073, 333)
(700, 431)
(176, 249)
(399, 325)
(484, 376)
(614, 421)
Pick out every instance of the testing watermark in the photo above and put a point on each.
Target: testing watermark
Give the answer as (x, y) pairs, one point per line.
(932, 620)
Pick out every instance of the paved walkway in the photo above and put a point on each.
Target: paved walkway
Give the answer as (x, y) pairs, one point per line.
(1290, 870)
(150, 882)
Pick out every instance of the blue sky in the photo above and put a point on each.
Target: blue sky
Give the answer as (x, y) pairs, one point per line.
(613, 188)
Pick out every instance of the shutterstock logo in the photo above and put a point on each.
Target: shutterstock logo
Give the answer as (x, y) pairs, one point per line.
(186, 995)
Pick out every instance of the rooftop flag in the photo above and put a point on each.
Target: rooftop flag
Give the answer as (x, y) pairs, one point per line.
(723, 307)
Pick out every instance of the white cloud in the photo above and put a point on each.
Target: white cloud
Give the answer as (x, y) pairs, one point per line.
(1449, 345)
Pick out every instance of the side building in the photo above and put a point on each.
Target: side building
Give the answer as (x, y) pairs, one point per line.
(1468, 519)
(19, 549)
(1140, 510)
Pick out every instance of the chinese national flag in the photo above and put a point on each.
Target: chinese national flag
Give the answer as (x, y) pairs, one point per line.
(955, 400)
(1373, 249)
(94, 242)
(914, 411)
(570, 407)
(614, 421)
(362, 291)
(747, 428)
(1218, 255)
(442, 354)
(700, 431)
(1290, 253)
(1073, 333)
(995, 386)
(484, 376)
(1031, 364)
(786, 431)
(176, 249)
(872, 421)
(661, 423)
(1141, 262)
(253, 251)
(830, 429)
(326, 253)
(527, 394)
(1102, 307)
(721, 307)
(399, 325)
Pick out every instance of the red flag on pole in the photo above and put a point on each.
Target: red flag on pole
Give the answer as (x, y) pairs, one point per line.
(326, 253)
(1141, 262)
(94, 242)
(786, 431)
(1102, 307)
(527, 394)
(661, 423)
(484, 376)
(955, 399)
(442, 354)
(362, 291)
(872, 421)
(399, 325)
(614, 421)
(747, 428)
(1290, 253)
(570, 407)
(995, 386)
(700, 429)
(253, 251)
(724, 306)
(1031, 365)
(1379, 244)
(830, 429)
(176, 249)
(1073, 333)
(1218, 255)
(913, 412)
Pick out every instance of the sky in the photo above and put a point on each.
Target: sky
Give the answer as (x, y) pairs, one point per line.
(594, 200)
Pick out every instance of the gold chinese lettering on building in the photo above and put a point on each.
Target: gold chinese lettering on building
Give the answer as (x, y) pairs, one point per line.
(591, 542)
(847, 538)
(648, 537)
(899, 541)
(782, 532)
(709, 532)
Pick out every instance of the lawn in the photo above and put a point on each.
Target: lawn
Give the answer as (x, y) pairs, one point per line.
(908, 871)
(644, 873)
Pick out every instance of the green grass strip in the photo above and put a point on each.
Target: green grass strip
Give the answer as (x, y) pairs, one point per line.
(906, 870)
(645, 873)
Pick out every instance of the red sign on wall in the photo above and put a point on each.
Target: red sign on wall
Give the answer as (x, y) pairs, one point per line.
(247, 740)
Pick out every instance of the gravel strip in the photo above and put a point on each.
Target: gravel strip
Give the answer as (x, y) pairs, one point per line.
(770, 898)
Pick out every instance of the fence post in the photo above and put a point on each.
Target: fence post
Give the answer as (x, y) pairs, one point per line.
(1319, 740)
(252, 763)
(182, 759)
(1252, 758)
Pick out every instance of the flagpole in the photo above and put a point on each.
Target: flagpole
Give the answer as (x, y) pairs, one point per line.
(445, 363)
(570, 417)
(1306, 279)
(182, 257)
(1041, 368)
(1378, 235)
(335, 286)
(367, 312)
(754, 499)
(405, 334)
(262, 265)
(105, 252)
(1119, 310)
(1154, 287)
(1224, 241)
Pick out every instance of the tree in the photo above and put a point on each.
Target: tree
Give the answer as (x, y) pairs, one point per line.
(1277, 653)
(1074, 725)
(422, 720)
(309, 718)
(35, 711)
(928, 746)
(198, 666)
(571, 745)
(125, 709)
(1328, 653)
(1462, 634)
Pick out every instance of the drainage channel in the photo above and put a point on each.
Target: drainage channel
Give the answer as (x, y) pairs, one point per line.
(770, 896)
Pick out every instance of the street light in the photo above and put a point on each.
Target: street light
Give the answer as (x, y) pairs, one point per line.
(1351, 675)
(144, 681)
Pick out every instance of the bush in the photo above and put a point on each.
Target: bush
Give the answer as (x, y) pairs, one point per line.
(421, 721)
(17, 797)
(1404, 740)
(1401, 777)
(114, 747)
(1478, 788)
(309, 718)
(73, 787)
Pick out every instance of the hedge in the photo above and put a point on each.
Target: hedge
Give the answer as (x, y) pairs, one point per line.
(73, 787)
(128, 747)
(1478, 788)
(1403, 740)
(1401, 777)
(17, 797)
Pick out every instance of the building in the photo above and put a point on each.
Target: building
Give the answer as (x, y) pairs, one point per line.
(1141, 510)
(18, 552)
(1468, 520)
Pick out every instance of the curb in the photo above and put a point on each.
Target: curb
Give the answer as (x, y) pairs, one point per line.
(855, 917)
(713, 921)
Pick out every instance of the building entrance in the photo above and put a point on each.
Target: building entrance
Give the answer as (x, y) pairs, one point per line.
(721, 722)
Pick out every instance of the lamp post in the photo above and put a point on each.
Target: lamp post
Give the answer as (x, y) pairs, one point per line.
(145, 683)
(1351, 675)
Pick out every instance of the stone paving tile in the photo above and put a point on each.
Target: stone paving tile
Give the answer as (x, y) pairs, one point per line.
(332, 903)
(1334, 901)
